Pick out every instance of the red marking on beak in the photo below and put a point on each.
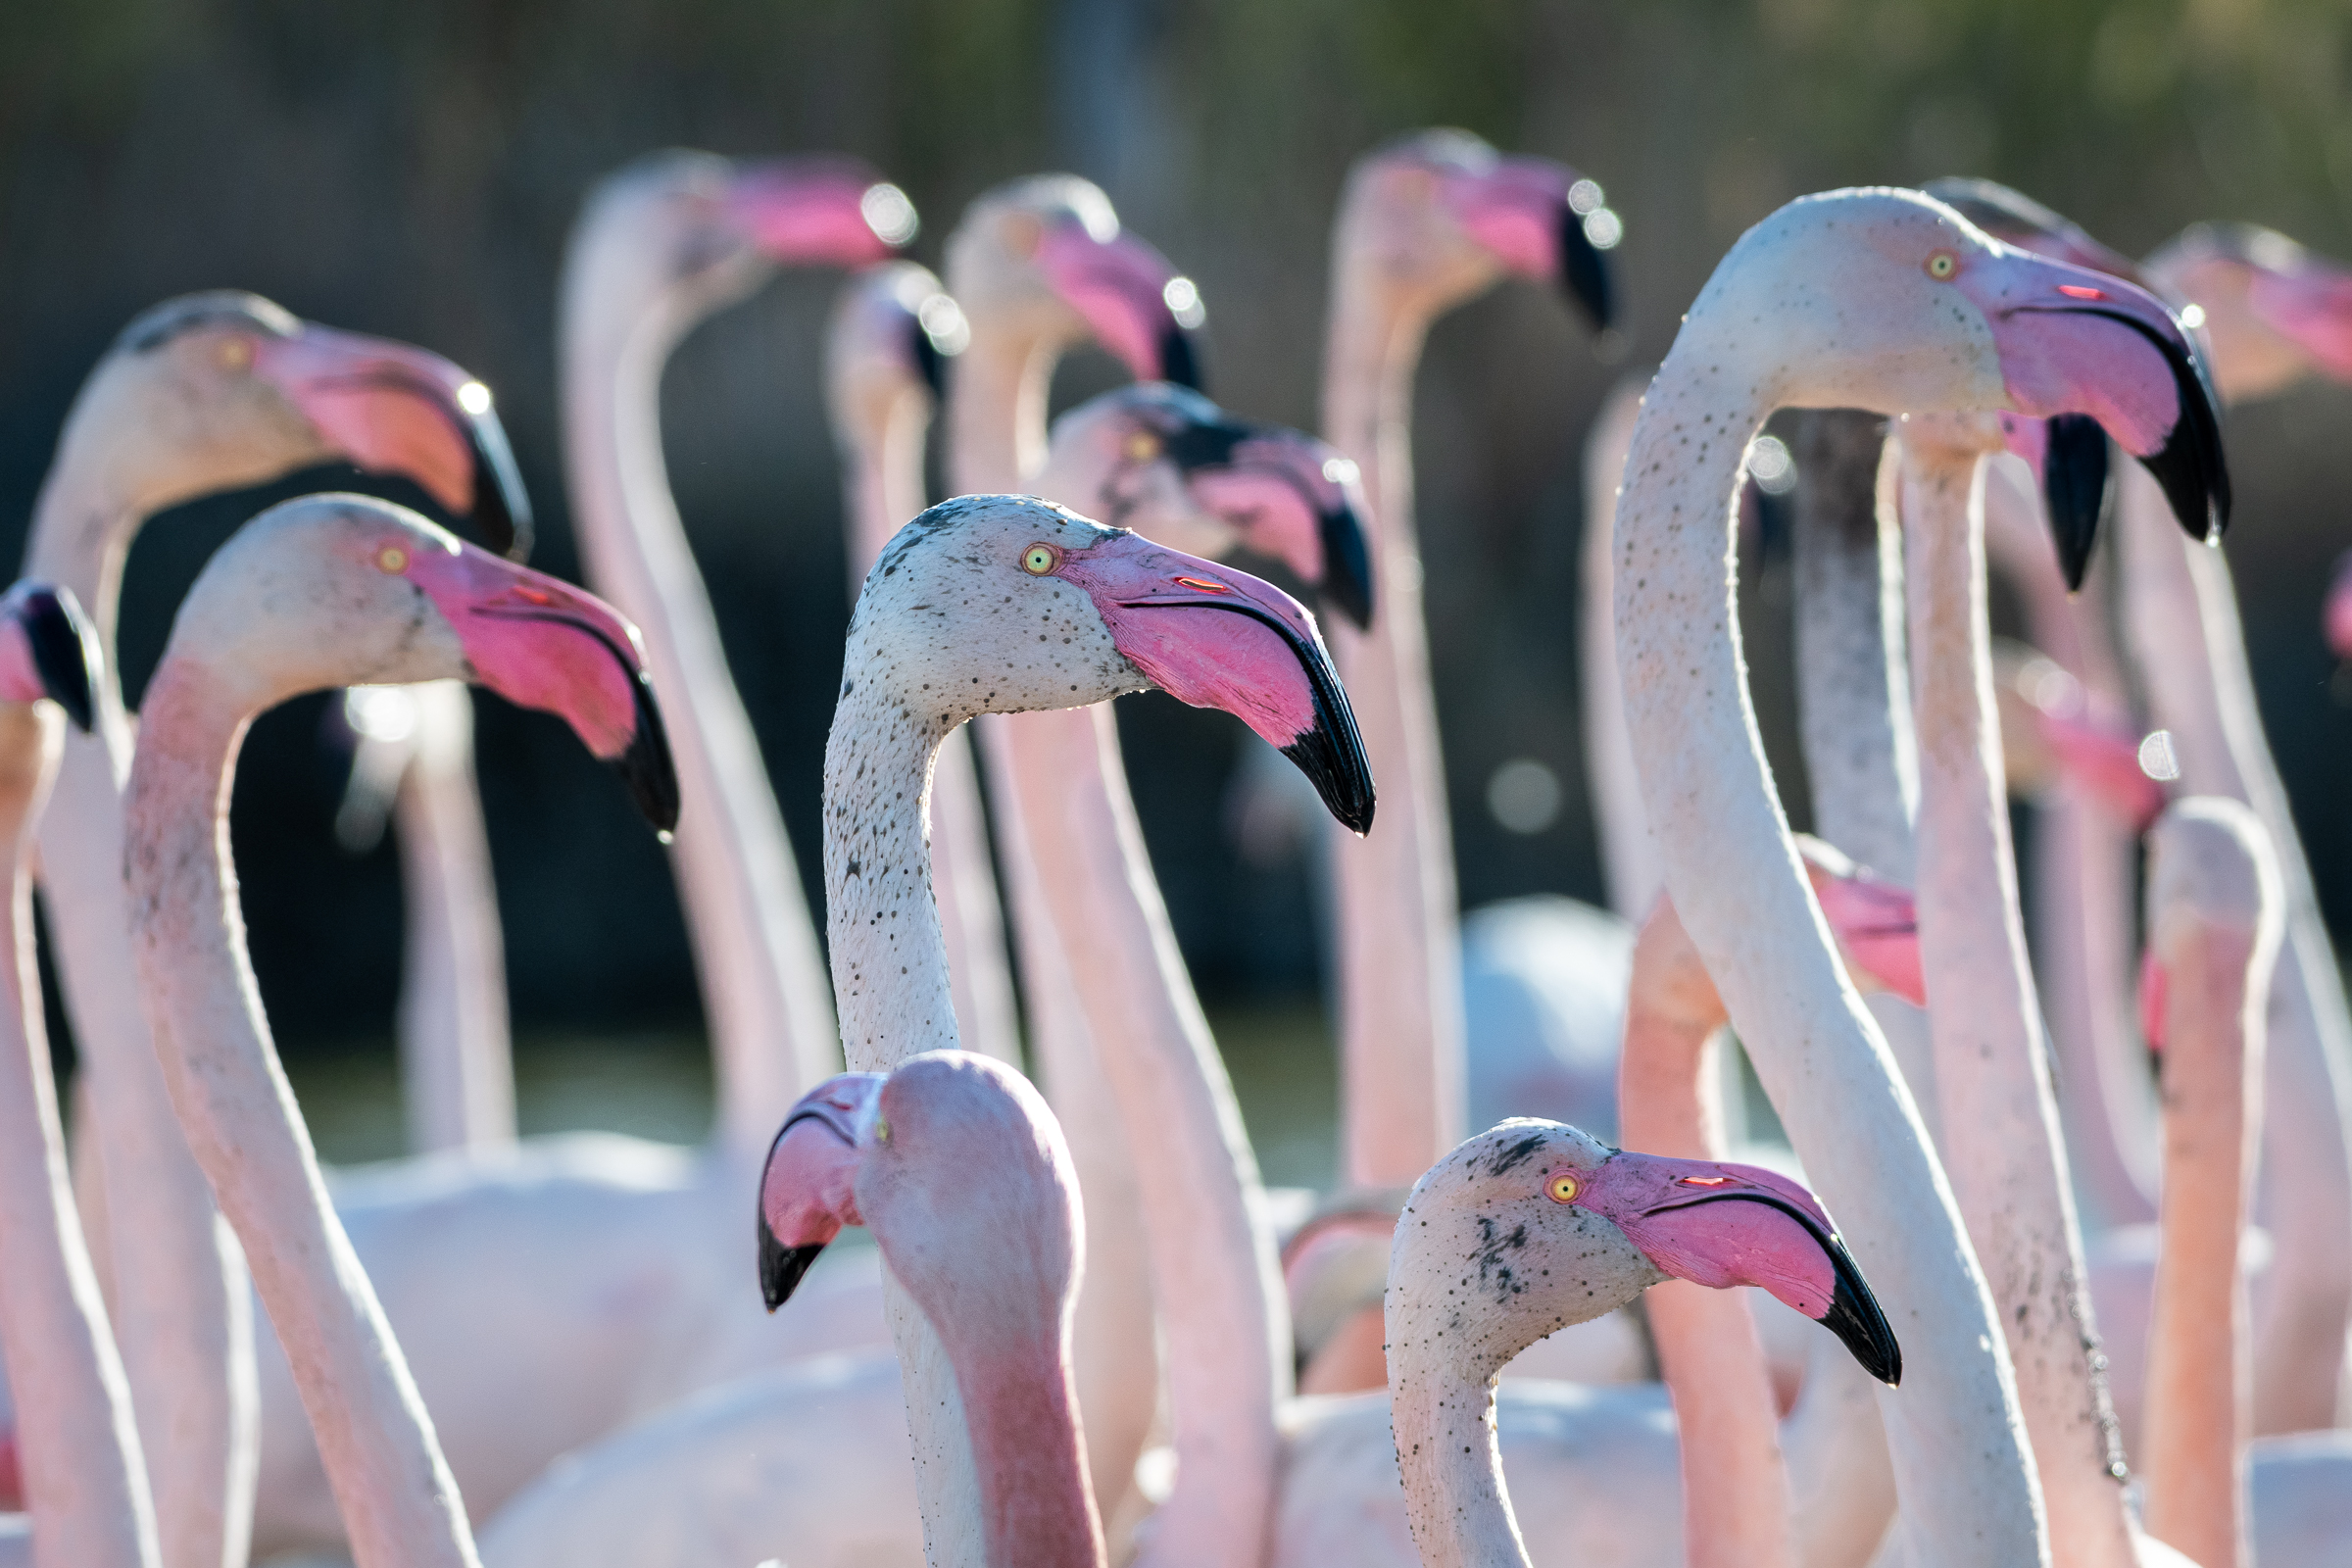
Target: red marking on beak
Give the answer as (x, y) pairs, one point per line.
(1204, 585)
(2078, 292)
(1705, 1181)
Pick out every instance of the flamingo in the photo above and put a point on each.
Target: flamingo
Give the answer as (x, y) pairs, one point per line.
(332, 591)
(412, 764)
(1425, 225)
(1533, 1225)
(1884, 300)
(1167, 462)
(84, 1477)
(204, 393)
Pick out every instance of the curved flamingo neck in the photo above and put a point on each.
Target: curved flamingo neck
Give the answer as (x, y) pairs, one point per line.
(400, 1504)
(756, 949)
(1442, 1409)
(1958, 1450)
(1403, 1079)
(2000, 1126)
(1225, 1335)
(996, 415)
(1021, 1407)
(884, 458)
(85, 1479)
(1736, 1500)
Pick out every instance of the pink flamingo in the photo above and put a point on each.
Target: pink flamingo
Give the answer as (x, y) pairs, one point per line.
(205, 393)
(1424, 224)
(85, 1480)
(1876, 300)
(332, 591)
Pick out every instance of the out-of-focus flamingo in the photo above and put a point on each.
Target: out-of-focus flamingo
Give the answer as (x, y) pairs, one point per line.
(205, 393)
(1628, 854)
(332, 591)
(1534, 1225)
(411, 757)
(1133, 613)
(1875, 300)
(893, 330)
(84, 1477)
(1040, 265)
(1424, 224)
(2275, 314)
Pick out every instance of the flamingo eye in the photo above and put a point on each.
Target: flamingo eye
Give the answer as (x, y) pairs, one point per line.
(1561, 1188)
(392, 560)
(235, 353)
(1040, 559)
(1142, 447)
(1942, 265)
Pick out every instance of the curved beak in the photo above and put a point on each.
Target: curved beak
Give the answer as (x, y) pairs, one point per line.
(2104, 764)
(1214, 637)
(2074, 341)
(1540, 220)
(2067, 454)
(820, 212)
(808, 1185)
(393, 409)
(1721, 1225)
(1137, 305)
(48, 649)
(541, 643)
(1876, 923)
(1287, 495)
(2308, 301)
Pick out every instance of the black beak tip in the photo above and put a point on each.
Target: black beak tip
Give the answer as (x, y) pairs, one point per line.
(1346, 583)
(1335, 762)
(64, 652)
(1584, 273)
(1855, 1318)
(502, 508)
(2077, 483)
(1179, 362)
(645, 766)
(781, 1267)
(927, 357)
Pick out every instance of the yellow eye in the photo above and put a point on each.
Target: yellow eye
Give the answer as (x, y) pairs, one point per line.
(1142, 447)
(1942, 265)
(392, 560)
(1040, 559)
(235, 353)
(1561, 1188)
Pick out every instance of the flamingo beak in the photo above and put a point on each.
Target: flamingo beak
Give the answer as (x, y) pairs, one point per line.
(2069, 452)
(2074, 341)
(2154, 998)
(541, 643)
(1584, 275)
(2339, 614)
(1876, 924)
(1214, 637)
(1721, 1225)
(1288, 495)
(1137, 305)
(393, 409)
(47, 649)
(807, 1186)
(820, 212)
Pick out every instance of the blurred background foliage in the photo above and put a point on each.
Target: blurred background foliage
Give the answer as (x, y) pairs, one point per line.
(413, 167)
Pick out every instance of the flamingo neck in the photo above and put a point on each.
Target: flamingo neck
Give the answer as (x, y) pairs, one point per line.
(756, 951)
(85, 1481)
(2200, 1350)
(398, 1501)
(997, 413)
(1021, 1408)
(82, 526)
(1733, 871)
(1735, 1483)
(1442, 1408)
(1372, 350)
(1225, 1332)
(1992, 1064)
(885, 461)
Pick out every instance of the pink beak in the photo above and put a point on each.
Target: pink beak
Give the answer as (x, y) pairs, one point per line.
(2339, 608)
(1214, 637)
(1877, 925)
(819, 211)
(1721, 1225)
(47, 649)
(2312, 305)
(1121, 286)
(1518, 209)
(541, 643)
(2105, 763)
(393, 409)
(807, 1189)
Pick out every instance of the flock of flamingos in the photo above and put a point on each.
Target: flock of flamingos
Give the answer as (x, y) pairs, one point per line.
(1106, 1340)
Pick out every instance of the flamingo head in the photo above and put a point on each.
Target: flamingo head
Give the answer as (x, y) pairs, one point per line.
(47, 649)
(1876, 923)
(894, 330)
(1047, 256)
(1533, 1225)
(1006, 603)
(807, 1189)
(1172, 465)
(225, 390)
(343, 590)
(2275, 310)
(1441, 216)
(1902, 305)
